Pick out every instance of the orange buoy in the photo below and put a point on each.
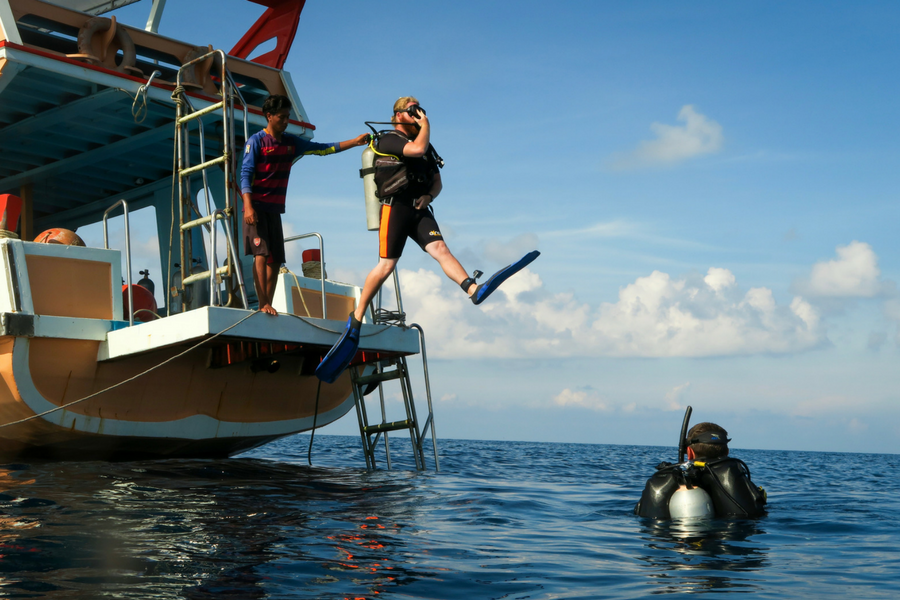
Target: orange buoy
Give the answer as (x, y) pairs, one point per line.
(65, 237)
(143, 302)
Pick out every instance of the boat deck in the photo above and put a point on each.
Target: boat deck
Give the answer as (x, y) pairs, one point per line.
(202, 323)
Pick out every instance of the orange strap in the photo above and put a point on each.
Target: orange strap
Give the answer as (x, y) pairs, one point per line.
(383, 230)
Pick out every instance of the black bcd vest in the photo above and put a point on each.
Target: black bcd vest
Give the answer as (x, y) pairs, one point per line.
(402, 176)
(726, 480)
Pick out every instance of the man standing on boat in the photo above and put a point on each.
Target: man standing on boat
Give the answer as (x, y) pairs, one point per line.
(268, 158)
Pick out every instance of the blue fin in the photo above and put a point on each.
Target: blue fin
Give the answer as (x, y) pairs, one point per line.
(341, 353)
(488, 287)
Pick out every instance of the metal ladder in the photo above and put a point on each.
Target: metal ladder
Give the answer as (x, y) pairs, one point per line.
(371, 434)
(189, 215)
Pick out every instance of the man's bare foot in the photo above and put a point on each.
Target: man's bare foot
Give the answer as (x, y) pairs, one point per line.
(267, 308)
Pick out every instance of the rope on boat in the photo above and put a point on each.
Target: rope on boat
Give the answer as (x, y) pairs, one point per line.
(312, 432)
(139, 107)
(129, 380)
(167, 361)
(284, 269)
(311, 324)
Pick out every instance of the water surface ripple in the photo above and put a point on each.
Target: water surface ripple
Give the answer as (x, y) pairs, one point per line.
(502, 520)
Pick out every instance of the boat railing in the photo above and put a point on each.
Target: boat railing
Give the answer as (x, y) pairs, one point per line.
(127, 253)
(321, 259)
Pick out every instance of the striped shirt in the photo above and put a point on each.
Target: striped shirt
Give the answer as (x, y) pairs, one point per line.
(267, 166)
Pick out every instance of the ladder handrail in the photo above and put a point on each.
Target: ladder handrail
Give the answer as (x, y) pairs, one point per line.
(185, 113)
(411, 423)
(221, 215)
(429, 422)
(127, 253)
(321, 259)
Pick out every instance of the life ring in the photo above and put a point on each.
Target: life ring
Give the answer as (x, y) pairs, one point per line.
(66, 237)
(100, 40)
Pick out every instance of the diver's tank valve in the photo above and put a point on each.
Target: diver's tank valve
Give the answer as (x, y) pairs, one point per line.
(373, 204)
(147, 282)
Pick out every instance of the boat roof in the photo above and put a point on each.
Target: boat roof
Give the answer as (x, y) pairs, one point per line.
(94, 7)
(84, 134)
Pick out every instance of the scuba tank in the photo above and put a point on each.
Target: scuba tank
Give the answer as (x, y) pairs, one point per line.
(693, 503)
(373, 204)
(147, 282)
(195, 294)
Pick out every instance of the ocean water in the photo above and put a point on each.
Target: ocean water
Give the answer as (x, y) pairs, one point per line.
(501, 520)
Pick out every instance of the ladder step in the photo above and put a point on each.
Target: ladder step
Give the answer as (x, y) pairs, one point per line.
(185, 172)
(385, 376)
(200, 221)
(203, 111)
(203, 275)
(405, 424)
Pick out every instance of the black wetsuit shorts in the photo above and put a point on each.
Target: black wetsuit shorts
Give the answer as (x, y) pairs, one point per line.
(400, 221)
(266, 238)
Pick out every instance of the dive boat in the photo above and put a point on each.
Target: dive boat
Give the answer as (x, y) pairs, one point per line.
(93, 113)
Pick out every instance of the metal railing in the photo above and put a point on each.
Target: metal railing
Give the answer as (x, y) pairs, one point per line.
(429, 422)
(127, 253)
(321, 259)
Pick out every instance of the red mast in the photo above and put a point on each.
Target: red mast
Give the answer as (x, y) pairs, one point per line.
(279, 22)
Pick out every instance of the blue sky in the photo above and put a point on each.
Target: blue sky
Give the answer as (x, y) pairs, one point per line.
(713, 187)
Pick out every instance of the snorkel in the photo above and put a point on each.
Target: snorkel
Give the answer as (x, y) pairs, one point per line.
(682, 441)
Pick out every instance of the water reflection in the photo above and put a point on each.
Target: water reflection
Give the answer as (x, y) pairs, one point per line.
(703, 555)
(197, 529)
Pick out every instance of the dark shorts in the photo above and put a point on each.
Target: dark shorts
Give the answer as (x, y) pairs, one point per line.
(266, 238)
(401, 221)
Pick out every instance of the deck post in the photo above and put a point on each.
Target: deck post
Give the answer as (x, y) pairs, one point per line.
(26, 192)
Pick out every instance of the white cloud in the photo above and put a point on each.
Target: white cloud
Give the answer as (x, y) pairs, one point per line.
(719, 279)
(853, 274)
(675, 143)
(675, 395)
(582, 399)
(654, 316)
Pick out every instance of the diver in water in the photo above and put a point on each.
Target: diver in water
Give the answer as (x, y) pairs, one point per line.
(709, 483)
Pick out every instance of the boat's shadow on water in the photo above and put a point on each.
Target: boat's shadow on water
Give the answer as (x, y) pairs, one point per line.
(191, 528)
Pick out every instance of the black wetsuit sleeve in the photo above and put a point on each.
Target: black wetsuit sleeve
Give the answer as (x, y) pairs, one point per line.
(391, 144)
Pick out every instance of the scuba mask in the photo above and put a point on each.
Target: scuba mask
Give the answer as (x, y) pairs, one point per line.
(413, 110)
(708, 437)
